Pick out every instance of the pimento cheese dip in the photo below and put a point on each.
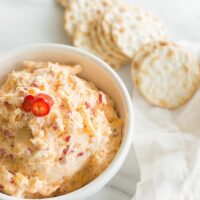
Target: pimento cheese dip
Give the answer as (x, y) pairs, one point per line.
(57, 131)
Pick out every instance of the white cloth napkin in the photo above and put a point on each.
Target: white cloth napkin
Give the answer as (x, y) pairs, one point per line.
(167, 145)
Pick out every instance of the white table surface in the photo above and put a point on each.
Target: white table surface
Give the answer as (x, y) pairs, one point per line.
(25, 22)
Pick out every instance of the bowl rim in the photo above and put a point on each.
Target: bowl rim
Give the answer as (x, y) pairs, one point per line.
(118, 160)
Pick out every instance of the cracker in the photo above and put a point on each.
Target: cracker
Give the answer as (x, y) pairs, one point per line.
(165, 74)
(82, 11)
(133, 27)
(106, 43)
(82, 39)
(105, 53)
(104, 28)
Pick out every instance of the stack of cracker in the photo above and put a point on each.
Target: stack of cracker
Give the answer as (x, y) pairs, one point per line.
(164, 73)
(110, 29)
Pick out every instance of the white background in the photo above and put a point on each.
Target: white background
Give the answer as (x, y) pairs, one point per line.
(38, 21)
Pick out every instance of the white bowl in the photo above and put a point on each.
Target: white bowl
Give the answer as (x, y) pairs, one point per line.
(94, 70)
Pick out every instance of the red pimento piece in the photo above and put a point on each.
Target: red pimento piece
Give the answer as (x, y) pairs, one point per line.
(61, 158)
(2, 152)
(21, 92)
(47, 98)
(100, 97)
(88, 106)
(30, 150)
(40, 107)
(27, 104)
(34, 84)
(67, 139)
(66, 150)
(80, 154)
(6, 104)
(8, 134)
(12, 181)
(55, 127)
(11, 156)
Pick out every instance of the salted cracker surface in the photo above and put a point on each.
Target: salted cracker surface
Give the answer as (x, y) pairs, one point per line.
(165, 74)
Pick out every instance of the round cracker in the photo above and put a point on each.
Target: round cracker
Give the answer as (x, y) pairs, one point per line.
(81, 11)
(82, 39)
(133, 27)
(104, 28)
(165, 74)
(105, 53)
(106, 43)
